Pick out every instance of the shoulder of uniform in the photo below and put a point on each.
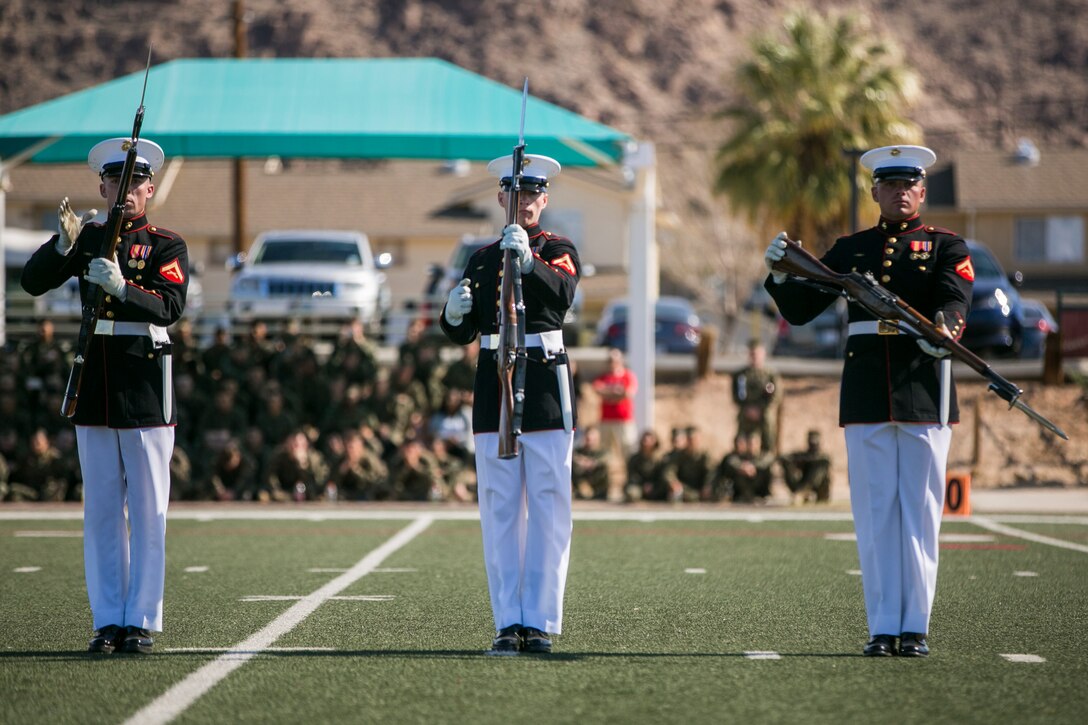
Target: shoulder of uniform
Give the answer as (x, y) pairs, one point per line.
(940, 230)
(163, 232)
(553, 237)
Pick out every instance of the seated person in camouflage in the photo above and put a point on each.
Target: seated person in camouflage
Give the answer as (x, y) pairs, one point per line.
(589, 469)
(695, 469)
(416, 474)
(744, 472)
(642, 468)
(808, 472)
(360, 475)
(675, 471)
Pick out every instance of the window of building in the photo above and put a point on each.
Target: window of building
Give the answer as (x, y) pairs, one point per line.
(1050, 239)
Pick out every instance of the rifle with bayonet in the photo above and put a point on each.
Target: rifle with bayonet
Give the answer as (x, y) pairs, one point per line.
(888, 307)
(92, 308)
(511, 348)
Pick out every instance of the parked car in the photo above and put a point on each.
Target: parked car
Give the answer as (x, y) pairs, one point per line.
(995, 323)
(1037, 324)
(676, 325)
(324, 274)
(441, 280)
(823, 337)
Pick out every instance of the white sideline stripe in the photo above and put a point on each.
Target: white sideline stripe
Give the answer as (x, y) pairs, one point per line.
(48, 534)
(404, 514)
(695, 570)
(992, 525)
(1032, 659)
(394, 570)
(174, 701)
(26, 569)
(854, 572)
(1025, 573)
(196, 569)
(762, 655)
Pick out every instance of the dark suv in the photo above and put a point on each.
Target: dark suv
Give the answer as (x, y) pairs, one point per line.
(995, 324)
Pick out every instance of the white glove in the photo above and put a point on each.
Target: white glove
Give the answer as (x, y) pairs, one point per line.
(459, 303)
(69, 226)
(776, 250)
(107, 274)
(928, 347)
(515, 238)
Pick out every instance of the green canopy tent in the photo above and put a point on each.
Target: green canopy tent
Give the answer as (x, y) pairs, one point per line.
(390, 108)
(403, 108)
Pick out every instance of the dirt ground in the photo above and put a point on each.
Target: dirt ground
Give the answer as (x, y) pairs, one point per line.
(998, 446)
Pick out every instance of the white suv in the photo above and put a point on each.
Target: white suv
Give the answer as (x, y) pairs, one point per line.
(316, 273)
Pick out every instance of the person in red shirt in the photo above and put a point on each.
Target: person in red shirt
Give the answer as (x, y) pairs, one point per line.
(616, 388)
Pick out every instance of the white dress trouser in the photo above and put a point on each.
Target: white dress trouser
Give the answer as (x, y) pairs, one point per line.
(897, 482)
(125, 562)
(525, 517)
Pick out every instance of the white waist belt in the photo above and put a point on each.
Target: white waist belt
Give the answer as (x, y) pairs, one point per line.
(549, 340)
(109, 327)
(138, 329)
(879, 327)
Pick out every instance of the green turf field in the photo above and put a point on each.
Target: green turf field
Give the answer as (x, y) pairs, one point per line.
(324, 615)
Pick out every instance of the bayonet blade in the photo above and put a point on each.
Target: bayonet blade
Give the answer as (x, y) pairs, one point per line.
(1039, 418)
(524, 98)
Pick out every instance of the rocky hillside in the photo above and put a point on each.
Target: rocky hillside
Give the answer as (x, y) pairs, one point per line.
(657, 69)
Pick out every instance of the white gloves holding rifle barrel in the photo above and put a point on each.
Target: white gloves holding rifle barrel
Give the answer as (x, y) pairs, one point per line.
(459, 303)
(776, 250)
(937, 351)
(516, 239)
(69, 226)
(106, 273)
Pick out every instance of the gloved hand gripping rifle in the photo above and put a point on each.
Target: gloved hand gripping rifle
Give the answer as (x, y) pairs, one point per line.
(885, 305)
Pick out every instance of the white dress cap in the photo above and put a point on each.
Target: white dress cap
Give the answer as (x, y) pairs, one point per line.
(898, 162)
(536, 170)
(108, 157)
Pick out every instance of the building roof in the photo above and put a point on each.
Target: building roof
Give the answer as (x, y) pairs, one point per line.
(415, 108)
(998, 181)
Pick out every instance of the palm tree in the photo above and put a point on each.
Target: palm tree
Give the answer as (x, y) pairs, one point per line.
(831, 85)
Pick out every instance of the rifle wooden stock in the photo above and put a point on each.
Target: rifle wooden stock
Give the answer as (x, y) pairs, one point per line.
(91, 310)
(885, 305)
(511, 329)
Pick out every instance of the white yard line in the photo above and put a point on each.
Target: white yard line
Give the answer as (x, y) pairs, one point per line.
(645, 515)
(178, 698)
(992, 525)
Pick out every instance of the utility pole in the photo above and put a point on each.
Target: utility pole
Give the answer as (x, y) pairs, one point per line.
(853, 154)
(240, 51)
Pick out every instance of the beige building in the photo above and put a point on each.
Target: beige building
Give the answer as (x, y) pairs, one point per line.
(1030, 208)
(415, 210)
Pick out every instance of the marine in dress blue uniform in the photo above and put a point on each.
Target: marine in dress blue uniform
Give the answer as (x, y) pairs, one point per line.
(125, 412)
(897, 397)
(525, 502)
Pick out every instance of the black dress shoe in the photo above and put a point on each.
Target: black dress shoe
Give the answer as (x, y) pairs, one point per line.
(913, 644)
(535, 641)
(507, 641)
(137, 641)
(881, 645)
(107, 639)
